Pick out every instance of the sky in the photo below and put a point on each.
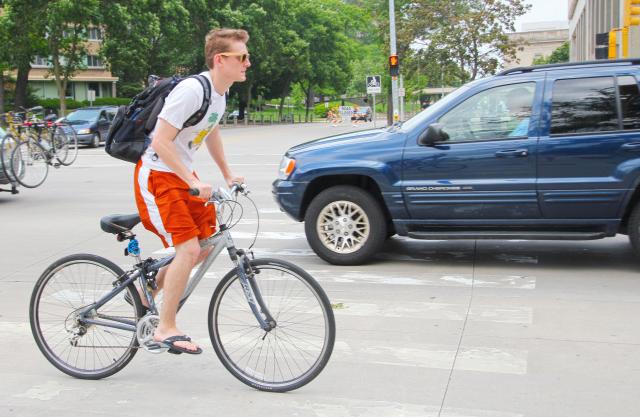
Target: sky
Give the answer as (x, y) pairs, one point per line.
(544, 10)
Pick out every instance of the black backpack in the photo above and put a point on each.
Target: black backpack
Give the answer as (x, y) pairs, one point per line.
(128, 136)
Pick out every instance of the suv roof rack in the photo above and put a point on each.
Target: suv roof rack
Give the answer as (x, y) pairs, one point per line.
(570, 65)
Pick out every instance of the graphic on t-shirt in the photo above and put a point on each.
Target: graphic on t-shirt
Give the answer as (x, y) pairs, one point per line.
(201, 135)
(213, 117)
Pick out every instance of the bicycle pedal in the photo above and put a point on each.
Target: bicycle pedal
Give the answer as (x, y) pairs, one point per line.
(155, 347)
(56, 164)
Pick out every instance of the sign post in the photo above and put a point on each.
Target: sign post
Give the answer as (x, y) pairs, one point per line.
(374, 86)
(91, 96)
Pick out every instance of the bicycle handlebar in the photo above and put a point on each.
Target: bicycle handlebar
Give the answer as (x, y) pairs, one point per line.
(220, 194)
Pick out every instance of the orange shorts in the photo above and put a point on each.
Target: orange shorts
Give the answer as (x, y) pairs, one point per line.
(167, 209)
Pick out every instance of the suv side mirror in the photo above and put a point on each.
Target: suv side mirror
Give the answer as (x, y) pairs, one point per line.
(432, 135)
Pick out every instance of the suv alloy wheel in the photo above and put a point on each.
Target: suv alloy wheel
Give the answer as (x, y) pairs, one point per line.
(345, 225)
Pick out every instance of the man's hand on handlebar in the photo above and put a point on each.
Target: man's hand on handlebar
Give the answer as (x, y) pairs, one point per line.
(232, 179)
(204, 189)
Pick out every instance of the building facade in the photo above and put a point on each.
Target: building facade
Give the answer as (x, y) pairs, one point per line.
(588, 18)
(94, 77)
(537, 40)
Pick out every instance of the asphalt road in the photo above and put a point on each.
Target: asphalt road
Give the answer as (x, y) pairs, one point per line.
(447, 328)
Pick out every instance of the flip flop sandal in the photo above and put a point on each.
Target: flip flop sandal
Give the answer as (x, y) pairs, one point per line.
(173, 348)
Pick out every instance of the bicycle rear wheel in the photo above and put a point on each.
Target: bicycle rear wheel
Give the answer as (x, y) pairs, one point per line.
(65, 143)
(29, 163)
(79, 349)
(296, 350)
(7, 146)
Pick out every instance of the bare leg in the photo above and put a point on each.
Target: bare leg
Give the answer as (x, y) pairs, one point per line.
(174, 282)
(162, 273)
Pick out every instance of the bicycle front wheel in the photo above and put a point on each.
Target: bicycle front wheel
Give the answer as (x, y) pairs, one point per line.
(65, 143)
(296, 350)
(78, 348)
(29, 163)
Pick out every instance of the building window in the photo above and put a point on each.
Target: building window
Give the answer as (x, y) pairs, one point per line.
(95, 34)
(69, 92)
(95, 87)
(40, 62)
(94, 61)
(584, 105)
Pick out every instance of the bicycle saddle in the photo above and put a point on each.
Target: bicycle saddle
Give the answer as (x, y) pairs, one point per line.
(117, 223)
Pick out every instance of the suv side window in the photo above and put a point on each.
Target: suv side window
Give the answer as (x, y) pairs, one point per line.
(583, 105)
(629, 102)
(496, 113)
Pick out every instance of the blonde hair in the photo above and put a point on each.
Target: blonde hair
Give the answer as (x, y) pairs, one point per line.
(219, 40)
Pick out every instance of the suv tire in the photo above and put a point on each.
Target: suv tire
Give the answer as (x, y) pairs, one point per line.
(345, 211)
(633, 229)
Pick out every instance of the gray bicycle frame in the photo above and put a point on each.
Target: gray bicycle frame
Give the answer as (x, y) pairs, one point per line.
(218, 241)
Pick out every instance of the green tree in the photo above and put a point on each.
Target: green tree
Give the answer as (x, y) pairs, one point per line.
(323, 24)
(144, 37)
(66, 26)
(469, 33)
(26, 40)
(559, 55)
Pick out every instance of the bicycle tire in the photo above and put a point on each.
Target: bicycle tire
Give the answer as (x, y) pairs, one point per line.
(82, 288)
(8, 144)
(229, 298)
(65, 143)
(29, 163)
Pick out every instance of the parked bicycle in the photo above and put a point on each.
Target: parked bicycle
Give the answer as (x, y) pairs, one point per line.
(270, 323)
(44, 143)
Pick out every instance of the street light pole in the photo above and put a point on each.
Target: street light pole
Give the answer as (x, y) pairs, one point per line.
(392, 45)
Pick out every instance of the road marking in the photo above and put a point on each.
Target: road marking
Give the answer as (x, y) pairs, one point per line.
(478, 359)
(347, 407)
(437, 311)
(47, 391)
(488, 281)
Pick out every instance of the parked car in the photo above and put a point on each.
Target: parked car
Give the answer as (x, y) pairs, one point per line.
(91, 123)
(236, 114)
(362, 114)
(543, 152)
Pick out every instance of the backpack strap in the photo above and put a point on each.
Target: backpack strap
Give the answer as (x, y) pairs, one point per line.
(199, 115)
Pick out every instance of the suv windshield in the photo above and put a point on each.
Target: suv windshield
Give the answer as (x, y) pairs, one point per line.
(83, 116)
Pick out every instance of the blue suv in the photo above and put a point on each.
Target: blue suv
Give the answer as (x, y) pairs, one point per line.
(542, 152)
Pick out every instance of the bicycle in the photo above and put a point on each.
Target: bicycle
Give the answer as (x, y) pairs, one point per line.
(46, 144)
(7, 145)
(270, 323)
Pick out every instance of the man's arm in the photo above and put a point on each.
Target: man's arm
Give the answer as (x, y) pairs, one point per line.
(166, 149)
(214, 145)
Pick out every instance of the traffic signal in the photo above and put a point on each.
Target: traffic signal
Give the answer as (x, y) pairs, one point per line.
(631, 12)
(394, 65)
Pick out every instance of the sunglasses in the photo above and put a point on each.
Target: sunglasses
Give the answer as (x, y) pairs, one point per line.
(243, 57)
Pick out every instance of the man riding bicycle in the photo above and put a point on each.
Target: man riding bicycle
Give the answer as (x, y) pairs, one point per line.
(164, 174)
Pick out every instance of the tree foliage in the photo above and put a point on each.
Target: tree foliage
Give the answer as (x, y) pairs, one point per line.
(468, 33)
(559, 55)
(66, 26)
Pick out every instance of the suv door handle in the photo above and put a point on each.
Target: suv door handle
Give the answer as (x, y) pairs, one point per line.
(512, 153)
(633, 146)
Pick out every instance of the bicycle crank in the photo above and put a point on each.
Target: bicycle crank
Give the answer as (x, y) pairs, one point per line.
(144, 333)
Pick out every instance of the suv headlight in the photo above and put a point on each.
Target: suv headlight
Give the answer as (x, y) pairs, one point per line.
(287, 165)
(84, 131)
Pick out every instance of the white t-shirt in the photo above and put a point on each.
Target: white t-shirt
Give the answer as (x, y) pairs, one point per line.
(181, 103)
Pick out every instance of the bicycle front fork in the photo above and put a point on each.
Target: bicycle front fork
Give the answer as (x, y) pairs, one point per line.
(252, 292)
